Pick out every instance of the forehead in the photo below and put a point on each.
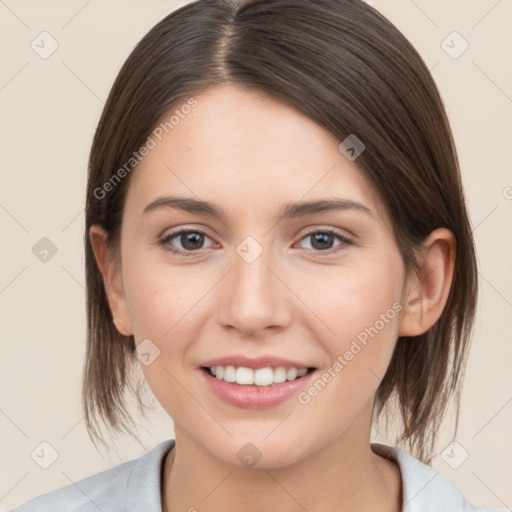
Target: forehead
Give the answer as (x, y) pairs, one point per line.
(246, 149)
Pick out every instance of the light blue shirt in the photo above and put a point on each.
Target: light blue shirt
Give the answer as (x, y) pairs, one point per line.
(134, 486)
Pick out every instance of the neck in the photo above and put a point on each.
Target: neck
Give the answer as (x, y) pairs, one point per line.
(344, 475)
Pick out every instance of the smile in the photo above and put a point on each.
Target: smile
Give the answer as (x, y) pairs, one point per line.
(245, 392)
(258, 377)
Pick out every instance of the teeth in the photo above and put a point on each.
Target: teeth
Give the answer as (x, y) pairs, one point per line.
(229, 374)
(244, 376)
(260, 377)
(280, 374)
(291, 374)
(264, 377)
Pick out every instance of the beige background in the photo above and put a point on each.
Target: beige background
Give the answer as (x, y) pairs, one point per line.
(50, 108)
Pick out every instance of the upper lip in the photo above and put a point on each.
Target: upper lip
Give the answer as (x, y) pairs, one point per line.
(254, 362)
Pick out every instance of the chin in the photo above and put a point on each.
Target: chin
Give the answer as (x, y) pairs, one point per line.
(258, 452)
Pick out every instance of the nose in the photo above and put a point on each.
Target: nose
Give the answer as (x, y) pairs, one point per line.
(255, 299)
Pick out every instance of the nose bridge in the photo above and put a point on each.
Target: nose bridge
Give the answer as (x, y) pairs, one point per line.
(254, 297)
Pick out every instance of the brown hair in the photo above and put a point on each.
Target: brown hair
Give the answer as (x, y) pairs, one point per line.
(349, 69)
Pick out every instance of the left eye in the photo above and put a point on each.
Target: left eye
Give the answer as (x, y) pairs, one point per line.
(322, 241)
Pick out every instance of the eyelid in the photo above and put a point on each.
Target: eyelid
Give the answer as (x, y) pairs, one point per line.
(171, 232)
(314, 228)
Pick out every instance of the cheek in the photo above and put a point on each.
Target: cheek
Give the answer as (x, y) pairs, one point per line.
(363, 310)
(359, 293)
(359, 311)
(159, 295)
(164, 305)
(167, 305)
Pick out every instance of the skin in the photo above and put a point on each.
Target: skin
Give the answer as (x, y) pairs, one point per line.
(251, 154)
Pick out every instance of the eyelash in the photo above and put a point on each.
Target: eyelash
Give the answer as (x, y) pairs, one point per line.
(164, 242)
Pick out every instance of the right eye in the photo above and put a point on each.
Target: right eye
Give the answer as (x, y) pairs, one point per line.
(189, 239)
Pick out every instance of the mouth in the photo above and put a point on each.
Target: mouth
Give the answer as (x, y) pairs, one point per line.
(262, 377)
(256, 388)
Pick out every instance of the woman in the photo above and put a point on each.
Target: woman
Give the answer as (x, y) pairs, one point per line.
(277, 235)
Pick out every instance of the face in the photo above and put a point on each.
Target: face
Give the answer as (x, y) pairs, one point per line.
(310, 288)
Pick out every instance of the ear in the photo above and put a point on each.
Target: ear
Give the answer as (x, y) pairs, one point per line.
(112, 280)
(426, 295)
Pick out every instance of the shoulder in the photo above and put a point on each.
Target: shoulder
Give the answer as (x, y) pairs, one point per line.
(130, 486)
(425, 489)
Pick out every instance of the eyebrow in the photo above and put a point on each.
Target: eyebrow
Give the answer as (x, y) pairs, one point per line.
(288, 211)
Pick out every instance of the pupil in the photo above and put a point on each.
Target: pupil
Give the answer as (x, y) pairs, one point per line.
(191, 241)
(322, 238)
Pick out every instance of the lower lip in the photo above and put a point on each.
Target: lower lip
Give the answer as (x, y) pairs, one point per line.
(255, 397)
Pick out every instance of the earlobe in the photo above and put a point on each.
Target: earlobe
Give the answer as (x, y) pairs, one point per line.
(426, 295)
(112, 281)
